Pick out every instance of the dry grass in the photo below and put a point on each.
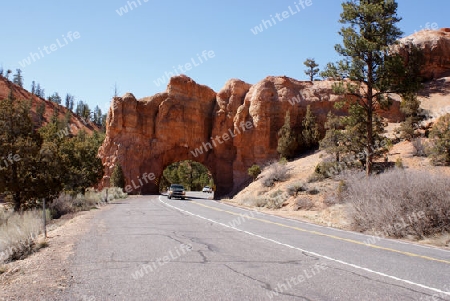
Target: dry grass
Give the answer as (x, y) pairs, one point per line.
(92, 199)
(18, 233)
(274, 200)
(399, 203)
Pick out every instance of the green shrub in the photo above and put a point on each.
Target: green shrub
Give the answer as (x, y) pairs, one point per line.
(254, 171)
(440, 141)
(399, 163)
(117, 177)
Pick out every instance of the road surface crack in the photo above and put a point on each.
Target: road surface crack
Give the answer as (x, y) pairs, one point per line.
(266, 285)
(205, 259)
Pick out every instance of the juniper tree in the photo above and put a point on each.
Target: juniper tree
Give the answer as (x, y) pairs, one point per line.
(117, 177)
(19, 151)
(440, 141)
(374, 70)
(409, 106)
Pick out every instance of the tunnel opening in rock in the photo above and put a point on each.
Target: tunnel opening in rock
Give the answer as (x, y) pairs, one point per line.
(193, 175)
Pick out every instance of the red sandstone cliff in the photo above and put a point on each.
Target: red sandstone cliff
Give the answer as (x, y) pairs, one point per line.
(234, 128)
(435, 46)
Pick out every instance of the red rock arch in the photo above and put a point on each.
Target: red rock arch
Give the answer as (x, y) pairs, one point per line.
(147, 135)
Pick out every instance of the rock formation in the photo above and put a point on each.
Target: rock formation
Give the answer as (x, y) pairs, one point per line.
(435, 46)
(226, 131)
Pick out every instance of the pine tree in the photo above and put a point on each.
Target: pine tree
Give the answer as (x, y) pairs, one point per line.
(69, 101)
(117, 177)
(55, 98)
(18, 78)
(331, 143)
(33, 88)
(288, 140)
(97, 116)
(39, 91)
(312, 68)
(374, 71)
(310, 130)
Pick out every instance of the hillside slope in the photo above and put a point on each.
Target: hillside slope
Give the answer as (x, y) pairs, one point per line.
(76, 122)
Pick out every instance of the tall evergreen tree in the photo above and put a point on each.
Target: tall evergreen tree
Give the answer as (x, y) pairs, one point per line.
(33, 87)
(39, 91)
(55, 98)
(312, 68)
(288, 140)
(332, 142)
(18, 78)
(69, 101)
(373, 69)
(310, 129)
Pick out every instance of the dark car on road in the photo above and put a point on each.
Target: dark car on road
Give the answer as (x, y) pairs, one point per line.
(176, 191)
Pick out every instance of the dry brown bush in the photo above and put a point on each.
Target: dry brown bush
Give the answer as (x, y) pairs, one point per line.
(416, 200)
(276, 172)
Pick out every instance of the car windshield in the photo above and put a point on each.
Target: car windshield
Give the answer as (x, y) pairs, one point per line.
(177, 187)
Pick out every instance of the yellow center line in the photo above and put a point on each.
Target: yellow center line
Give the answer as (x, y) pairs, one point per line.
(323, 234)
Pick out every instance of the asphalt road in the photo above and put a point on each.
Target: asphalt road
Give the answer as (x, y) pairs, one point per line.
(153, 248)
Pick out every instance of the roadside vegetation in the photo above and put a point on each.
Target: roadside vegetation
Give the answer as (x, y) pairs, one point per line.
(48, 162)
(398, 203)
(19, 232)
(355, 178)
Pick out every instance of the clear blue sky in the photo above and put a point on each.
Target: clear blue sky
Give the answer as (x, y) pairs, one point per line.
(137, 48)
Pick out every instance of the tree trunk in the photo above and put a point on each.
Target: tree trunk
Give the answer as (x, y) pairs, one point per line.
(16, 199)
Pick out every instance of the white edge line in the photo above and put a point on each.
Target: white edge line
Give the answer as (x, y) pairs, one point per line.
(339, 230)
(310, 252)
